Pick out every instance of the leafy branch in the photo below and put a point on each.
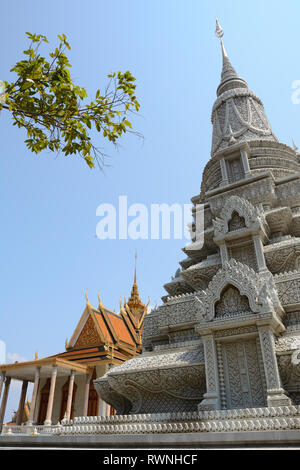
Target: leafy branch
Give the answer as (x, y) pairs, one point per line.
(44, 100)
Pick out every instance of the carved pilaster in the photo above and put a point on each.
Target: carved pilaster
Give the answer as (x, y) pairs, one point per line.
(245, 163)
(260, 258)
(223, 253)
(275, 392)
(2, 379)
(211, 399)
(223, 172)
(223, 402)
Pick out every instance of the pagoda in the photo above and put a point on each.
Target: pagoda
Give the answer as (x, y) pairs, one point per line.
(63, 383)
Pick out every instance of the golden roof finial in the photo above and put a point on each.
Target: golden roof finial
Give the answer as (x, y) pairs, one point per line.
(88, 303)
(134, 298)
(36, 355)
(99, 300)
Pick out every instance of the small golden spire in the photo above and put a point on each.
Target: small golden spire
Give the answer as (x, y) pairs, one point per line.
(36, 355)
(66, 343)
(99, 301)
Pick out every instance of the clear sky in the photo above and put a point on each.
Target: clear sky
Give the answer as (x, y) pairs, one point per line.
(49, 250)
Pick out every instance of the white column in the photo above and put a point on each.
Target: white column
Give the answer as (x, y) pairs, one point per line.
(70, 395)
(48, 420)
(34, 396)
(22, 402)
(211, 399)
(108, 407)
(4, 399)
(86, 394)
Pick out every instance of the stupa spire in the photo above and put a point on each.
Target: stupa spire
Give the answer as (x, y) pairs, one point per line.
(238, 114)
(229, 76)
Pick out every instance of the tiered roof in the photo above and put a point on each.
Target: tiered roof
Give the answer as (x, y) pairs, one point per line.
(104, 335)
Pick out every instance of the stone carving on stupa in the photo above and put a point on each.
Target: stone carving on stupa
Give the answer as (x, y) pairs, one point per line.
(227, 335)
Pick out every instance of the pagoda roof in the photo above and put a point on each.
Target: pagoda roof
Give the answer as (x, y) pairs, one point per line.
(102, 333)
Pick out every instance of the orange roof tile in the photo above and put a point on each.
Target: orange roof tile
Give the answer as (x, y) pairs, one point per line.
(120, 328)
(102, 325)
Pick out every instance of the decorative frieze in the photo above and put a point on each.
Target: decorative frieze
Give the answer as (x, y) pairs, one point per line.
(171, 314)
(288, 288)
(257, 191)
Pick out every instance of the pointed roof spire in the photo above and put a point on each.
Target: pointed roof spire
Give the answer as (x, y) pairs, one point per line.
(86, 298)
(229, 77)
(238, 114)
(134, 299)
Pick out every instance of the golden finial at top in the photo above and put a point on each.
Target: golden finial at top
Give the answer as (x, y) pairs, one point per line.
(100, 304)
(219, 30)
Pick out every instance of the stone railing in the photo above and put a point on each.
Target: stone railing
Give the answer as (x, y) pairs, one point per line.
(33, 430)
(250, 419)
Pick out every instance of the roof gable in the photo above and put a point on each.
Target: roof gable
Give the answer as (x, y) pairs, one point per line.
(89, 335)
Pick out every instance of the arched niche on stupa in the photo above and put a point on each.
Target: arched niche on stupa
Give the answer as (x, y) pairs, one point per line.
(235, 283)
(231, 303)
(237, 213)
(236, 222)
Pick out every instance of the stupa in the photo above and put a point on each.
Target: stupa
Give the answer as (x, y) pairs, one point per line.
(228, 334)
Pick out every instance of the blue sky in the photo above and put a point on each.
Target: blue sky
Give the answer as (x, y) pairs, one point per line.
(49, 252)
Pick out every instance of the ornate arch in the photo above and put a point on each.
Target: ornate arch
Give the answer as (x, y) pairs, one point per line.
(253, 216)
(258, 290)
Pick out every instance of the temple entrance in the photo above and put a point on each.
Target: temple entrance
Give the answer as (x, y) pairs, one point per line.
(244, 376)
